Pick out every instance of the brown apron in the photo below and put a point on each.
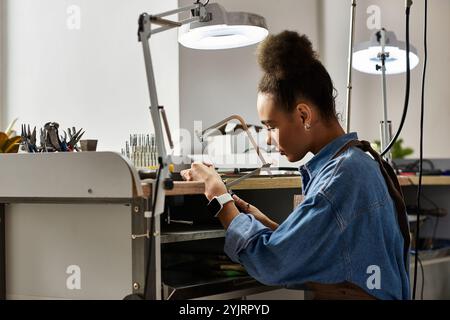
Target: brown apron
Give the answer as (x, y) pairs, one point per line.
(347, 290)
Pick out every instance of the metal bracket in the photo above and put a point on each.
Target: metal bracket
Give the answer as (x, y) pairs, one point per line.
(164, 22)
(136, 236)
(144, 27)
(162, 111)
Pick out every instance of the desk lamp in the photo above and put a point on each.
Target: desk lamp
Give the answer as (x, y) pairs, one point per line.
(209, 27)
(383, 55)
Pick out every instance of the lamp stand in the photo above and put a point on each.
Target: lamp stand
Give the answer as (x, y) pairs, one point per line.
(385, 124)
(144, 33)
(350, 62)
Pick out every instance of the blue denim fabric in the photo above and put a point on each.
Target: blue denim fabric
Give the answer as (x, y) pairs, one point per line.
(345, 230)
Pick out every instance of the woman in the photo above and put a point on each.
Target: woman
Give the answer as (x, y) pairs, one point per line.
(345, 233)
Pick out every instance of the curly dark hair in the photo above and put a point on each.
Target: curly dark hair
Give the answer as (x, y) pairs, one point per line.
(293, 73)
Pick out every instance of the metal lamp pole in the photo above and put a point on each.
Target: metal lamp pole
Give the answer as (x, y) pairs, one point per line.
(350, 63)
(385, 128)
(144, 33)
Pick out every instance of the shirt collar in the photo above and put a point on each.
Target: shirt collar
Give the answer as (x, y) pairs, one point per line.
(313, 166)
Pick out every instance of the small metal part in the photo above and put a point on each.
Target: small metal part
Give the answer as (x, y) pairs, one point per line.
(166, 126)
(148, 214)
(182, 222)
(136, 286)
(140, 150)
(136, 236)
(246, 176)
(164, 22)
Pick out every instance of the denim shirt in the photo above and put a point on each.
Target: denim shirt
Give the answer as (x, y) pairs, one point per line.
(345, 230)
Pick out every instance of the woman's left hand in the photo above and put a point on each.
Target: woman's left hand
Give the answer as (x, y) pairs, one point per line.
(214, 185)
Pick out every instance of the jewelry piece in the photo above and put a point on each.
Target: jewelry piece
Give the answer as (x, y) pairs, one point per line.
(307, 127)
(248, 205)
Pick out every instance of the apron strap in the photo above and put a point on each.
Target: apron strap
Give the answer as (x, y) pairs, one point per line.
(393, 186)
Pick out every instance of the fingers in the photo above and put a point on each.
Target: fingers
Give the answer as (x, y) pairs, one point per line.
(197, 172)
(198, 168)
(197, 164)
(186, 174)
(236, 199)
(200, 172)
(241, 204)
(208, 164)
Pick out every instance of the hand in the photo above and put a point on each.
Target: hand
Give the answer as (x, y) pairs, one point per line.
(206, 173)
(246, 207)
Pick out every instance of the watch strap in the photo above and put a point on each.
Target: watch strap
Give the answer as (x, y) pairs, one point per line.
(224, 198)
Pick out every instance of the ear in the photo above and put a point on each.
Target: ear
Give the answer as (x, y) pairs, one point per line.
(305, 112)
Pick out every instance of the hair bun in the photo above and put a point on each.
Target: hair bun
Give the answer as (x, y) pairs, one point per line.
(286, 54)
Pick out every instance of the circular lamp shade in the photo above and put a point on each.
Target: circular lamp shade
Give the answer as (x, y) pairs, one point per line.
(225, 30)
(366, 55)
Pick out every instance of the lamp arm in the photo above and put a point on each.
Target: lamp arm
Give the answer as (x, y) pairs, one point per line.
(168, 24)
(145, 31)
(350, 62)
(159, 136)
(179, 10)
(198, 12)
(154, 106)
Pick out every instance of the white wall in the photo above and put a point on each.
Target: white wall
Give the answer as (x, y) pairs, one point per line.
(92, 78)
(366, 99)
(216, 84)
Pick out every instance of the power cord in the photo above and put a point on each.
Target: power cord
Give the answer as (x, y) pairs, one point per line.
(419, 190)
(408, 83)
(423, 275)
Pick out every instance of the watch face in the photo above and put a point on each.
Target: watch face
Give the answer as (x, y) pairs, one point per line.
(214, 206)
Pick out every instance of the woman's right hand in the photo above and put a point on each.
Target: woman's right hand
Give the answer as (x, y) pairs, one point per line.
(247, 208)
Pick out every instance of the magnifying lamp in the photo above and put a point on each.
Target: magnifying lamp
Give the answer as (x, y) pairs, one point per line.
(384, 54)
(223, 30)
(368, 55)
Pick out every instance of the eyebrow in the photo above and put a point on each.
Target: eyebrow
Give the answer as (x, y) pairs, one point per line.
(266, 122)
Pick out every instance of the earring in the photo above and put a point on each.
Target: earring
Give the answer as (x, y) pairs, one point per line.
(307, 127)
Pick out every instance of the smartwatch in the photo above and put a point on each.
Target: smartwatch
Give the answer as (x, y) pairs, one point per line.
(217, 203)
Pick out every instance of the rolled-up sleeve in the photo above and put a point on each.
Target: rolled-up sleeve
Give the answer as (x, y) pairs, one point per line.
(242, 230)
(299, 250)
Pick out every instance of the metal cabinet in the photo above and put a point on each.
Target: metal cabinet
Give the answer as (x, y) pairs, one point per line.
(58, 209)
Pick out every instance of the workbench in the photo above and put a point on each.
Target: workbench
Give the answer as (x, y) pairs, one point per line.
(102, 194)
(61, 211)
(288, 182)
(292, 185)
